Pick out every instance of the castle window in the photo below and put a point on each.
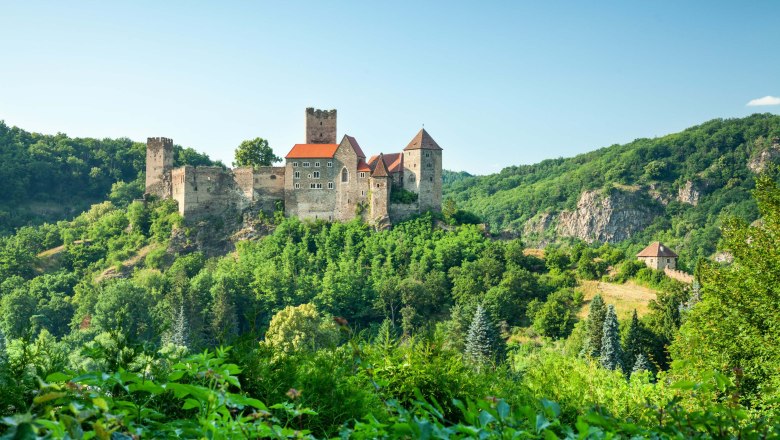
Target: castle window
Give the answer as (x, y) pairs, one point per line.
(255, 179)
(316, 174)
(297, 175)
(431, 179)
(330, 185)
(273, 176)
(667, 260)
(362, 174)
(295, 164)
(306, 164)
(311, 186)
(429, 165)
(316, 164)
(362, 193)
(377, 185)
(297, 186)
(427, 154)
(330, 164)
(344, 175)
(309, 175)
(411, 177)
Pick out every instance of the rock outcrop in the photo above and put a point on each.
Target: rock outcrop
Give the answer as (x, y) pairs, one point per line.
(768, 155)
(689, 193)
(610, 216)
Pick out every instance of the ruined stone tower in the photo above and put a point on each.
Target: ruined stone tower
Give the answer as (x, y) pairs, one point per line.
(159, 162)
(422, 170)
(320, 126)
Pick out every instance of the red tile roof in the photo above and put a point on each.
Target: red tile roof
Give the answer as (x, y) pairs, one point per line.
(356, 147)
(380, 169)
(422, 141)
(363, 166)
(395, 162)
(312, 151)
(657, 249)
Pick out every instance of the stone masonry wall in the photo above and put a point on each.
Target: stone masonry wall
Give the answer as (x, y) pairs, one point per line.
(159, 162)
(304, 201)
(320, 126)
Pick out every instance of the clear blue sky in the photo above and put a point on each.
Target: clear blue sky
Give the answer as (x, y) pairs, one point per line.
(494, 83)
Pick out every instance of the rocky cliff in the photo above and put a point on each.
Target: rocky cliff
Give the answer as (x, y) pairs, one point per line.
(607, 216)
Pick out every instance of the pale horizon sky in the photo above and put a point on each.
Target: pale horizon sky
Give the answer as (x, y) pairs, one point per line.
(495, 83)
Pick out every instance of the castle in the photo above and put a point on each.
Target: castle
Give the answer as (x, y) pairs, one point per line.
(321, 179)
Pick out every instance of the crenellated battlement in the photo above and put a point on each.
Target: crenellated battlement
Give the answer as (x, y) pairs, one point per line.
(159, 140)
(317, 113)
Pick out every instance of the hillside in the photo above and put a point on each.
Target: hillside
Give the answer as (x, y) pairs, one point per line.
(46, 178)
(676, 188)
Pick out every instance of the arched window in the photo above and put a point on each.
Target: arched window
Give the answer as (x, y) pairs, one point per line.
(344, 175)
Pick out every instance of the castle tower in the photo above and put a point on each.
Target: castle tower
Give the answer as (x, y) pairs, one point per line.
(159, 162)
(379, 183)
(320, 126)
(422, 171)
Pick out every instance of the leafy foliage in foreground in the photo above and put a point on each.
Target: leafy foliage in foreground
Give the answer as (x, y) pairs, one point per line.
(200, 397)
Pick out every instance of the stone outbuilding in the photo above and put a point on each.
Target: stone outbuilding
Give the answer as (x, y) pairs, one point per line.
(658, 256)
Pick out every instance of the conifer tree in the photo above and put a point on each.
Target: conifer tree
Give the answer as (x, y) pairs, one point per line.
(386, 336)
(481, 341)
(595, 329)
(641, 364)
(611, 352)
(632, 345)
(179, 328)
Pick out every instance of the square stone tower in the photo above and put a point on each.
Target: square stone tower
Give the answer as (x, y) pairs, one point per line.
(320, 126)
(159, 162)
(422, 171)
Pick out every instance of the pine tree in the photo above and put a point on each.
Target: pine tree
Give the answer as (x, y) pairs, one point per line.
(481, 339)
(386, 338)
(641, 364)
(179, 328)
(611, 352)
(632, 345)
(595, 329)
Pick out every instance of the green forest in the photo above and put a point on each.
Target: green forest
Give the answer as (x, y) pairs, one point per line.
(114, 326)
(48, 178)
(713, 156)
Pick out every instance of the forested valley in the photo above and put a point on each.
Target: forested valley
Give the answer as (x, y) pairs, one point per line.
(112, 327)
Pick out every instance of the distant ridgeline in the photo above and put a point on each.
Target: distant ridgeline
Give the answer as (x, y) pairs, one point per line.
(321, 179)
(676, 188)
(46, 178)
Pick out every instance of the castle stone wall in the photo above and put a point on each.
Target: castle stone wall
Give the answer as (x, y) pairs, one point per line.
(320, 126)
(401, 211)
(305, 201)
(159, 162)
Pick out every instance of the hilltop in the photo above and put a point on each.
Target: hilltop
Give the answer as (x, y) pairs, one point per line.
(46, 178)
(676, 188)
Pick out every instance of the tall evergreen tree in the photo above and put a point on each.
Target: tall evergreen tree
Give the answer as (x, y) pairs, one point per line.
(179, 330)
(482, 339)
(632, 345)
(611, 352)
(596, 316)
(641, 364)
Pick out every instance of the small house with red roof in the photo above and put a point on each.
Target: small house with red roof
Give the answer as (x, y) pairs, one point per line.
(658, 256)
